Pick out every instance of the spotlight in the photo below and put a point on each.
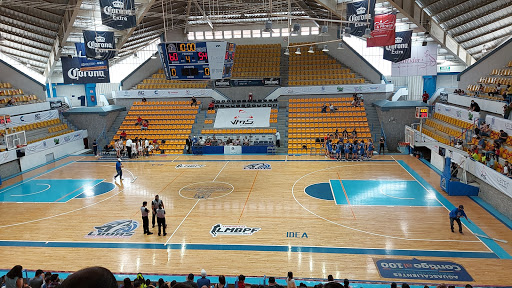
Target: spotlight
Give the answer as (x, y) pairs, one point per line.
(311, 50)
(347, 31)
(298, 51)
(296, 29)
(367, 33)
(340, 46)
(324, 30)
(325, 49)
(287, 51)
(268, 26)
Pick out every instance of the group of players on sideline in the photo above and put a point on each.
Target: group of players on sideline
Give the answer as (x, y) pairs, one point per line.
(100, 277)
(345, 148)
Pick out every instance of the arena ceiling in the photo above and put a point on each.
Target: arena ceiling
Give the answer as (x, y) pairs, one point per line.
(38, 32)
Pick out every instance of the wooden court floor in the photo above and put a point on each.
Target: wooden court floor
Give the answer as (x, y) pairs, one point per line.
(389, 208)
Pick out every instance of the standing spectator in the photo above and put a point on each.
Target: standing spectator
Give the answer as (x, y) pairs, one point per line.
(190, 281)
(193, 101)
(211, 106)
(117, 147)
(506, 169)
(38, 279)
(381, 146)
(157, 202)
(474, 106)
(425, 96)
(250, 100)
(160, 214)
(354, 133)
(129, 143)
(203, 281)
(455, 215)
(94, 149)
(14, 278)
(290, 283)
(344, 133)
(370, 149)
(145, 219)
(119, 169)
(278, 139)
(188, 145)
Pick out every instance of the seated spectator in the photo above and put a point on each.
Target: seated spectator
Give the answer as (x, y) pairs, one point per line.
(237, 142)
(123, 135)
(485, 130)
(203, 281)
(480, 90)
(332, 108)
(246, 141)
(193, 101)
(92, 277)
(144, 99)
(272, 283)
(474, 106)
(490, 161)
(458, 145)
(215, 142)
(139, 121)
(195, 141)
(481, 142)
(38, 279)
(190, 281)
(506, 169)
(229, 141)
(495, 91)
(241, 282)
(211, 106)
(127, 283)
(145, 125)
(54, 281)
(11, 102)
(14, 278)
(502, 138)
(324, 109)
(250, 97)
(201, 141)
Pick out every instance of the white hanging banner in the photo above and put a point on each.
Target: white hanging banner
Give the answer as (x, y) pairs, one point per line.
(491, 176)
(8, 156)
(423, 61)
(33, 118)
(242, 117)
(457, 113)
(498, 124)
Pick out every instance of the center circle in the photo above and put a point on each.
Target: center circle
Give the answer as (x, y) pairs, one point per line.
(206, 190)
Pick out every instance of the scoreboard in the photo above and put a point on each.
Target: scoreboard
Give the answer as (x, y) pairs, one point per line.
(421, 112)
(197, 60)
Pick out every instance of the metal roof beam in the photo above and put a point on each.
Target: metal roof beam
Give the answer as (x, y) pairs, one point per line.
(140, 16)
(41, 31)
(54, 21)
(483, 41)
(477, 17)
(330, 5)
(493, 23)
(24, 35)
(446, 8)
(463, 11)
(64, 30)
(411, 10)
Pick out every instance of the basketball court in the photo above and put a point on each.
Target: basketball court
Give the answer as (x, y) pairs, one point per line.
(251, 215)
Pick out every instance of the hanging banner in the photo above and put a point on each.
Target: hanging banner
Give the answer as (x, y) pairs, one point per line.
(89, 64)
(73, 73)
(96, 42)
(33, 118)
(457, 113)
(423, 62)
(359, 12)
(498, 124)
(118, 14)
(384, 32)
(242, 118)
(402, 48)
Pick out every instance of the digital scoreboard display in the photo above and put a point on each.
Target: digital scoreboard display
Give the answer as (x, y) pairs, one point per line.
(197, 60)
(421, 112)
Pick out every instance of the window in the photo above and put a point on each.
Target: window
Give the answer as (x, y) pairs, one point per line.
(265, 34)
(285, 32)
(228, 34)
(237, 34)
(199, 35)
(314, 31)
(304, 31)
(247, 33)
(371, 54)
(217, 34)
(276, 32)
(208, 35)
(256, 33)
(190, 36)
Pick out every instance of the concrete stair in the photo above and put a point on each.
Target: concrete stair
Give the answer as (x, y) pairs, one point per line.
(282, 127)
(374, 124)
(107, 136)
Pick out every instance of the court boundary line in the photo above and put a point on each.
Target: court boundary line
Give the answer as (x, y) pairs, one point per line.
(497, 249)
(235, 160)
(30, 194)
(248, 195)
(491, 210)
(363, 231)
(186, 216)
(220, 171)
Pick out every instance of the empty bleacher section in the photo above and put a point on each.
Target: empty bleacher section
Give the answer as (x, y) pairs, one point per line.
(445, 128)
(40, 130)
(257, 61)
(318, 68)
(168, 120)
(306, 122)
(158, 81)
(13, 96)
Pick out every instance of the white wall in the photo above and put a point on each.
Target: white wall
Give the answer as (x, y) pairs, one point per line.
(106, 89)
(449, 82)
(25, 109)
(72, 92)
(39, 158)
(414, 85)
(485, 105)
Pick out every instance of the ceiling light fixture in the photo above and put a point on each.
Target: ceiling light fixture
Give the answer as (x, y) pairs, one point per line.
(298, 51)
(325, 48)
(340, 46)
(296, 29)
(287, 51)
(311, 50)
(268, 26)
(367, 33)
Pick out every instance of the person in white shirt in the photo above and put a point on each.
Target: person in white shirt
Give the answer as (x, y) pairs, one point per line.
(201, 141)
(134, 148)
(145, 219)
(290, 283)
(129, 147)
(146, 146)
(278, 139)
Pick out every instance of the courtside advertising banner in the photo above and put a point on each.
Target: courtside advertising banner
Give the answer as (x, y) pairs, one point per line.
(457, 113)
(359, 12)
(401, 50)
(99, 45)
(118, 14)
(242, 118)
(423, 62)
(33, 118)
(384, 32)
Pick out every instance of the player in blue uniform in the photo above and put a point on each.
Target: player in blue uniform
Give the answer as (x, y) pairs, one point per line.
(347, 150)
(338, 150)
(370, 149)
(354, 150)
(361, 150)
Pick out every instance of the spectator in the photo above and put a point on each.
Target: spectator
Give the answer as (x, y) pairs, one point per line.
(193, 101)
(278, 139)
(490, 161)
(123, 135)
(481, 142)
(344, 134)
(405, 285)
(425, 96)
(474, 106)
(272, 282)
(330, 278)
(54, 281)
(95, 147)
(201, 141)
(485, 130)
(46, 280)
(144, 100)
(290, 283)
(393, 285)
(190, 281)
(222, 282)
(129, 144)
(509, 94)
(458, 145)
(203, 281)
(160, 283)
(241, 281)
(502, 138)
(332, 108)
(354, 133)
(38, 279)
(480, 90)
(146, 146)
(506, 110)
(346, 283)
(506, 169)
(145, 125)
(148, 284)
(139, 121)
(495, 91)
(92, 277)
(250, 97)
(211, 106)
(188, 145)
(14, 278)
(246, 141)
(324, 109)
(194, 141)
(127, 283)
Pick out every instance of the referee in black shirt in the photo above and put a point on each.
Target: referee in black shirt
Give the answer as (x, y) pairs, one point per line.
(145, 219)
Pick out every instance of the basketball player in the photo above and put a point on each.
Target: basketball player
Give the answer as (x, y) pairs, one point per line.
(154, 206)
(145, 219)
(455, 215)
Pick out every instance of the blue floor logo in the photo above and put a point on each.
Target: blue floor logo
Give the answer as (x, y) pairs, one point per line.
(422, 270)
(114, 229)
